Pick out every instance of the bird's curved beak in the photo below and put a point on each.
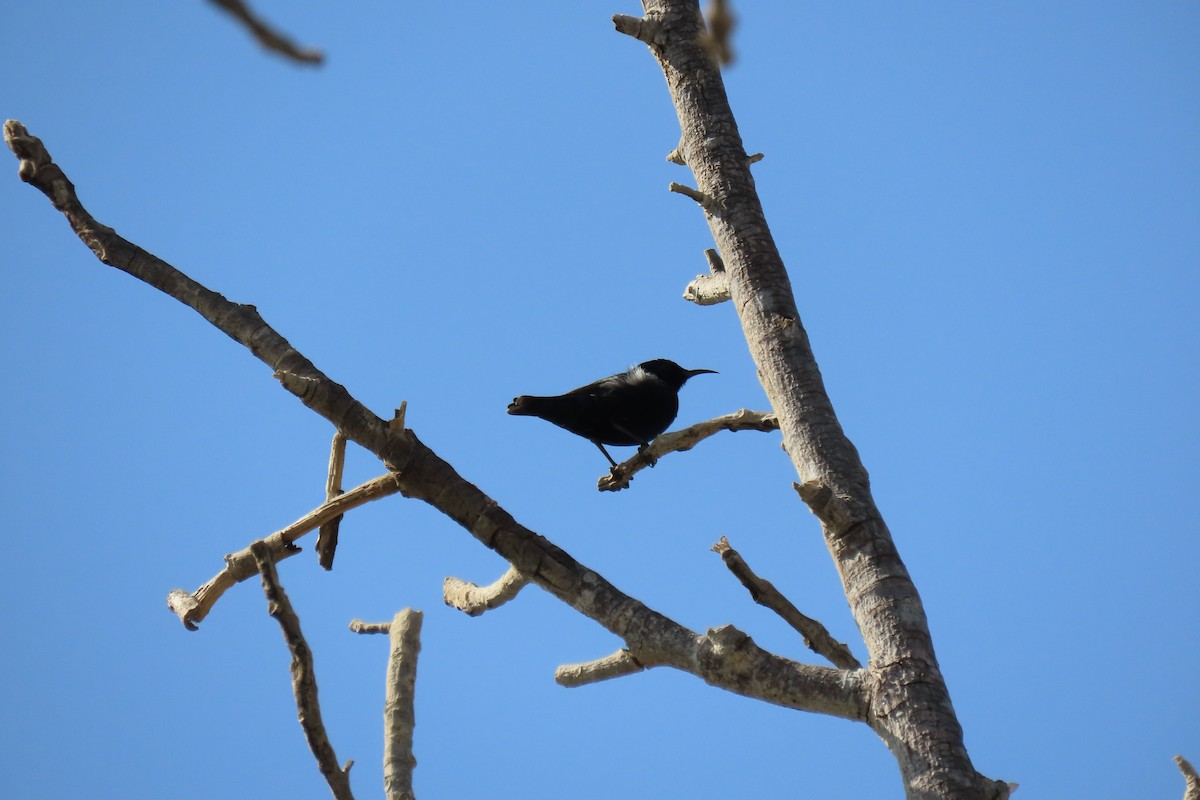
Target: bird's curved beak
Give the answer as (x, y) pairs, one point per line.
(691, 373)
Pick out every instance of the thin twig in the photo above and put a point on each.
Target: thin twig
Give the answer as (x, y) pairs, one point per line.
(816, 637)
(474, 600)
(304, 679)
(191, 608)
(685, 439)
(327, 536)
(267, 36)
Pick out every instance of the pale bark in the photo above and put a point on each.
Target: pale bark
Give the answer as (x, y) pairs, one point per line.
(910, 705)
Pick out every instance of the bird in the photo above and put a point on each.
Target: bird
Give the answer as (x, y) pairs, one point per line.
(626, 409)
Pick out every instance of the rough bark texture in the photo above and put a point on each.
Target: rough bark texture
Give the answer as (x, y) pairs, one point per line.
(722, 657)
(909, 704)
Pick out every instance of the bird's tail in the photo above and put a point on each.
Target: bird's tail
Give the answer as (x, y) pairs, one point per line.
(529, 406)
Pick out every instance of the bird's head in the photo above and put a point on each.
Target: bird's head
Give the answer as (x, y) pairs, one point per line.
(671, 373)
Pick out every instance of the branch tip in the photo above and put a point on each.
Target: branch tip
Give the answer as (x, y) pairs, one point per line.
(474, 600)
(707, 202)
(640, 28)
(621, 663)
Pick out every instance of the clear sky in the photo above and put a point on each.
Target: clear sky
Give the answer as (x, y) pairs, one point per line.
(991, 216)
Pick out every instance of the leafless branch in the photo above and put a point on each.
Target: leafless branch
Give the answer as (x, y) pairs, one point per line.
(816, 637)
(474, 600)
(710, 289)
(327, 536)
(267, 36)
(617, 665)
(740, 666)
(707, 201)
(399, 717)
(682, 440)
(192, 608)
(1192, 792)
(304, 679)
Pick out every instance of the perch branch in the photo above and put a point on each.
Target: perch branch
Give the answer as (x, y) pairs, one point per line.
(684, 439)
(267, 36)
(304, 679)
(474, 600)
(192, 608)
(327, 536)
(763, 592)
(422, 474)
(1192, 792)
(618, 664)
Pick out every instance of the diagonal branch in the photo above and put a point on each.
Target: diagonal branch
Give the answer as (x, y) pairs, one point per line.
(304, 679)
(194, 607)
(267, 36)
(732, 663)
(816, 637)
(682, 440)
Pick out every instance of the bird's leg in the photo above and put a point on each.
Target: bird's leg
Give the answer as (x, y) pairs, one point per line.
(606, 455)
(643, 451)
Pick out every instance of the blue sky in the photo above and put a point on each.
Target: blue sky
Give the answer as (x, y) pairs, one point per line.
(991, 216)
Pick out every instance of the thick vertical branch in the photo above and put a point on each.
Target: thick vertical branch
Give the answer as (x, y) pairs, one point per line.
(911, 707)
(398, 714)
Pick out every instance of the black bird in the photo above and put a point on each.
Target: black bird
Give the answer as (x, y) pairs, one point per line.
(629, 408)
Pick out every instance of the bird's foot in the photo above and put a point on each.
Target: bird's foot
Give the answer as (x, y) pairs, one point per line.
(647, 456)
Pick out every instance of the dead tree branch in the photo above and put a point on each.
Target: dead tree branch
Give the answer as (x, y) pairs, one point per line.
(682, 440)
(475, 600)
(738, 666)
(911, 709)
(327, 536)
(816, 637)
(399, 718)
(1192, 790)
(192, 608)
(304, 679)
(267, 36)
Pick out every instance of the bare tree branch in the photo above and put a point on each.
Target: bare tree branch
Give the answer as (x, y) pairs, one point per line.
(617, 665)
(816, 637)
(327, 536)
(475, 600)
(684, 439)
(735, 664)
(304, 679)
(192, 608)
(267, 36)
(1192, 791)
(708, 290)
(399, 718)
(398, 714)
(911, 709)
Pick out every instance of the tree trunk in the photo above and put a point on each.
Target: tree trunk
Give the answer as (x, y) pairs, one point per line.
(909, 705)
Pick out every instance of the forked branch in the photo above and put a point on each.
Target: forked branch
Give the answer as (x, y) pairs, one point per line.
(422, 474)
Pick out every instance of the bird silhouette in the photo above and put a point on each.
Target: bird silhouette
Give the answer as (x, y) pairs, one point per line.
(626, 409)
